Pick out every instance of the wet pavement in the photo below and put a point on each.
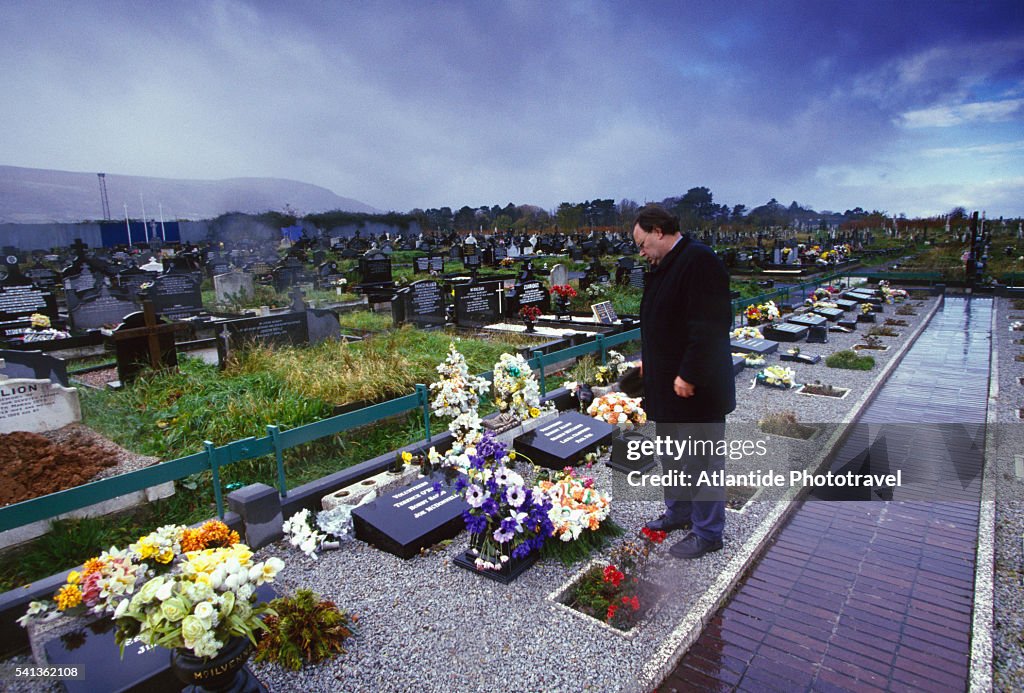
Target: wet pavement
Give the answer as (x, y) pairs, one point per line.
(867, 595)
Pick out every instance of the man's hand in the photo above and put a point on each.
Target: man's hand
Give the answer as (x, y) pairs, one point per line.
(683, 388)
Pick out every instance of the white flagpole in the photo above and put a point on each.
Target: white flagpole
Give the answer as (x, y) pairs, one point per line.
(163, 232)
(145, 230)
(127, 224)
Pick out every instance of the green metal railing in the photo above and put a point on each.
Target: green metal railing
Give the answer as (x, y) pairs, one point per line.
(214, 458)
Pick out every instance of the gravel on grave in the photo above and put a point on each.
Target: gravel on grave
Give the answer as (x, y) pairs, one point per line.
(1008, 653)
(427, 624)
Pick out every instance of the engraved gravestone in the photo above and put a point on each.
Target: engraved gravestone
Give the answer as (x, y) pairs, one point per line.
(420, 515)
(565, 440)
(233, 287)
(761, 347)
(420, 303)
(36, 406)
(176, 295)
(529, 293)
(785, 332)
(284, 329)
(477, 304)
(807, 320)
(36, 365)
(104, 307)
(18, 301)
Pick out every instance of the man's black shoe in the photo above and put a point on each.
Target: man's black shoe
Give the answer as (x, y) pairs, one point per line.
(664, 524)
(693, 546)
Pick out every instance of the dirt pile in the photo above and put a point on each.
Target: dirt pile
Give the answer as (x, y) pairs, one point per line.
(32, 465)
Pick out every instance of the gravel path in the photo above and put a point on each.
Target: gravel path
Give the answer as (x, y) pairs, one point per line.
(430, 625)
(1007, 466)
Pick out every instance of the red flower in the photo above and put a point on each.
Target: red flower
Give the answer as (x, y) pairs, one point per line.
(635, 603)
(653, 535)
(564, 290)
(611, 612)
(613, 575)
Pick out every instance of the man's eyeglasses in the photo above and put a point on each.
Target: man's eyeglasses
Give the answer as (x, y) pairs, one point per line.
(640, 246)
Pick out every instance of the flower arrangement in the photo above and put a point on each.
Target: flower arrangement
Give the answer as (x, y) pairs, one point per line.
(751, 360)
(823, 293)
(530, 313)
(195, 589)
(563, 291)
(746, 333)
(597, 291)
(762, 312)
(777, 376)
(299, 534)
(866, 308)
(618, 409)
(506, 518)
(39, 321)
(515, 388)
(457, 391)
(576, 506)
(612, 593)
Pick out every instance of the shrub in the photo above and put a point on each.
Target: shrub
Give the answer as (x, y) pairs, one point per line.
(850, 360)
(306, 630)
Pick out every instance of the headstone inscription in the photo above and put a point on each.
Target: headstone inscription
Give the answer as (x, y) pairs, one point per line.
(477, 303)
(176, 295)
(529, 293)
(403, 522)
(845, 304)
(36, 406)
(105, 307)
(830, 314)
(761, 347)
(19, 299)
(284, 329)
(565, 440)
(420, 303)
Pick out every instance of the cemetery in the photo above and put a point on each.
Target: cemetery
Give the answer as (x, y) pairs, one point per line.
(419, 430)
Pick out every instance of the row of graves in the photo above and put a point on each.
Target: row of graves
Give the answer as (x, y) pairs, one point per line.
(829, 310)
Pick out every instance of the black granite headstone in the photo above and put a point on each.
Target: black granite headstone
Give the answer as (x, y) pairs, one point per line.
(761, 347)
(785, 332)
(105, 307)
(807, 320)
(284, 329)
(420, 303)
(817, 334)
(19, 302)
(565, 440)
(830, 314)
(738, 364)
(809, 359)
(477, 304)
(176, 295)
(403, 522)
(845, 304)
(531, 292)
(35, 365)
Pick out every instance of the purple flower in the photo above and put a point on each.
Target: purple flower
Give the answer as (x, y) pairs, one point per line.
(475, 496)
(438, 487)
(502, 536)
(490, 507)
(475, 524)
(522, 551)
(477, 461)
(460, 484)
(515, 496)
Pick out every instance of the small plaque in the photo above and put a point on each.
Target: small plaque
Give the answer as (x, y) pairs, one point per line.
(604, 313)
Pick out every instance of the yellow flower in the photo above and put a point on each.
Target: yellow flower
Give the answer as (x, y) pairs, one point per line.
(512, 455)
(68, 597)
(534, 412)
(74, 577)
(407, 457)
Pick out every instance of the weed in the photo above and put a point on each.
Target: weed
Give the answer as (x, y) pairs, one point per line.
(785, 423)
(850, 360)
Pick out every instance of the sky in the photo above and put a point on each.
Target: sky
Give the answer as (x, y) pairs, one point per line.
(902, 106)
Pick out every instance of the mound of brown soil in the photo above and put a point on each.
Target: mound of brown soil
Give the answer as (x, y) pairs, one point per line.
(33, 464)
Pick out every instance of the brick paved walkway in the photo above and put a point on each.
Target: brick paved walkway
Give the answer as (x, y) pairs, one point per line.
(873, 595)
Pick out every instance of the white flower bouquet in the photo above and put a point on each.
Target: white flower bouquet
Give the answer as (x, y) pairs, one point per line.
(618, 409)
(777, 376)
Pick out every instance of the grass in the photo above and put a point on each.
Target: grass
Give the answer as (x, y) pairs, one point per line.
(850, 360)
(883, 331)
(785, 423)
(366, 320)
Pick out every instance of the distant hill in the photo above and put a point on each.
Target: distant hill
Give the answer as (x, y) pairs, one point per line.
(33, 195)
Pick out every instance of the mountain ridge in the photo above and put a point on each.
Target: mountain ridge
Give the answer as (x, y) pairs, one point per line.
(35, 195)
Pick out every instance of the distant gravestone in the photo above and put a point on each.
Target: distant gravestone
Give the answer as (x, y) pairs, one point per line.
(176, 295)
(761, 347)
(420, 303)
(133, 280)
(845, 304)
(477, 304)
(43, 276)
(36, 406)
(785, 332)
(559, 275)
(565, 440)
(531, 292)
(233, 287)
(403, 522)
(830, 314)
(375, 268)
(105, 307)
(807, 320)
(285, 329)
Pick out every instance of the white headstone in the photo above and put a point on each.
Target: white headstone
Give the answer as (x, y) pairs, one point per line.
(233, 285)
(559, 275)
(36, 406)
(513, 251)
(153, 265)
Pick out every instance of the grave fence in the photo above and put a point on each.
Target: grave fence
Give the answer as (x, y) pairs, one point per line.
(784, 294)
(214, 458)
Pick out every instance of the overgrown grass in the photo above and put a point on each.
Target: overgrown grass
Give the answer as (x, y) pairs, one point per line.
(366, 320)
(849, 360)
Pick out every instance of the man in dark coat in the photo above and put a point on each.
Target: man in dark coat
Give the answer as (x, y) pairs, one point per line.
(685, 316)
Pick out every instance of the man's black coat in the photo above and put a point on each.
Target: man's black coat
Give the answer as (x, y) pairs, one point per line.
(685, 317)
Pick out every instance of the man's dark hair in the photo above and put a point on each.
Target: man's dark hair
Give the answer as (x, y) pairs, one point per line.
(653, 216)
